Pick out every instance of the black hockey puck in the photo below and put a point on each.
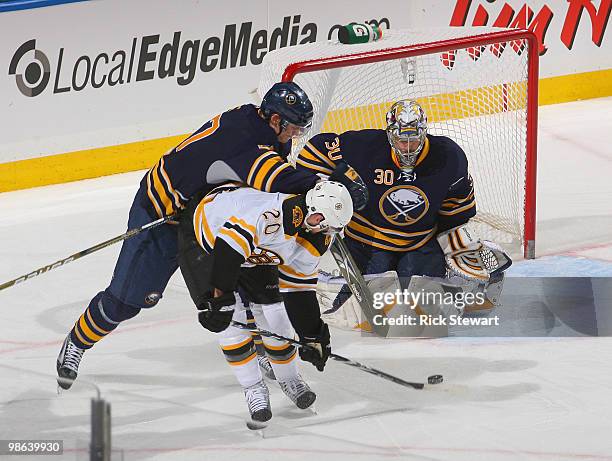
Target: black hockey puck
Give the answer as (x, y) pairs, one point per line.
(435, 379)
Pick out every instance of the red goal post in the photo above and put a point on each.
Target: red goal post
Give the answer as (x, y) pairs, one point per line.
(479, 86)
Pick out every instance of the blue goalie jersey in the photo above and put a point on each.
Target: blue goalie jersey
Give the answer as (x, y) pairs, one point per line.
(237, 145)
(405, 209)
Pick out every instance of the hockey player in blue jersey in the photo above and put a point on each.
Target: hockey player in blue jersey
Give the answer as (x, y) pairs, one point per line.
(421, 197)
(245, 144)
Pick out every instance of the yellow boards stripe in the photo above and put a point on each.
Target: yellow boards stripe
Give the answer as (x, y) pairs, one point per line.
(445, 106)
(83, 164)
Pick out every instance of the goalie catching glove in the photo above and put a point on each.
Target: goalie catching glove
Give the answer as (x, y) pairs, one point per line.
(215, 314)
(480, 263)
(318, 348)
(469, 258)
(349, 178)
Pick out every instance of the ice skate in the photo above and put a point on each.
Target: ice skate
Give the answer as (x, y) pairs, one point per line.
(68, 362)
(258, 400)
(299, 392)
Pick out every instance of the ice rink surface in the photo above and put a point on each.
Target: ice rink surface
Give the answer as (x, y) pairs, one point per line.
(173, 397)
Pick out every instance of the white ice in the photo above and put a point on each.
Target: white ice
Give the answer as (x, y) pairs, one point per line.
(173, 396)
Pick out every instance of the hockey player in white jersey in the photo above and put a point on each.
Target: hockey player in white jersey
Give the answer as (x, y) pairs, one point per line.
(242, 247)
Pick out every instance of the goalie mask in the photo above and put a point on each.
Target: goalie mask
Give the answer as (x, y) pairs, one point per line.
(406, 131)
(333, 201)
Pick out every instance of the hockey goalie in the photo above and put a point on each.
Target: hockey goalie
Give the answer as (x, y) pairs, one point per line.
(421, 198)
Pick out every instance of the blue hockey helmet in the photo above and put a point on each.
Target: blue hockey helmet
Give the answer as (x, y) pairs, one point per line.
(290, 102)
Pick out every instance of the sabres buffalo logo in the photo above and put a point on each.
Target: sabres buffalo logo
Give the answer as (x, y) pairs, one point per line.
(403, 205)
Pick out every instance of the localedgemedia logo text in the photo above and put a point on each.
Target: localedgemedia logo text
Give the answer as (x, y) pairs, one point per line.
(151, 57)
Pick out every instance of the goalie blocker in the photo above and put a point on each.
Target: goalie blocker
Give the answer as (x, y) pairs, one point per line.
(474, 282)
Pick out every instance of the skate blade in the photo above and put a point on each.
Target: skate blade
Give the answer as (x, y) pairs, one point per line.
(67, 384)
(257, 425)
(311, 409)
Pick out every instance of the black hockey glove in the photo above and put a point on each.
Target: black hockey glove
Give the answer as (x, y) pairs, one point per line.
(216, 313)
(319, 349)
(347, 176)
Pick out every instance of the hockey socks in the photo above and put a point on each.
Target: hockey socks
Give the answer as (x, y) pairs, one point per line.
(101, 317)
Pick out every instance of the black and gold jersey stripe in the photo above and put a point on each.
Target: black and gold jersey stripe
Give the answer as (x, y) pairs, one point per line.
(265, 170)
(240, 235)
(164, 197)
(364, 231)
(455, 205)
(312, 159)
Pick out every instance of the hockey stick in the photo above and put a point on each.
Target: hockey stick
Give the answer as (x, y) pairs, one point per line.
(62, 262)
(356, 282)
(435, 379)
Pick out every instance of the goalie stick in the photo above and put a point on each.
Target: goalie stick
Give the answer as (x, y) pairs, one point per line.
(434, 379)
(62, 262)
(356, 282)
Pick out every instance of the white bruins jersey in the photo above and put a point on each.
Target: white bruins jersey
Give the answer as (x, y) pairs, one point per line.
(266, 229)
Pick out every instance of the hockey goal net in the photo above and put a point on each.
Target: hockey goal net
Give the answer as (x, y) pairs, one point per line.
(478, 86)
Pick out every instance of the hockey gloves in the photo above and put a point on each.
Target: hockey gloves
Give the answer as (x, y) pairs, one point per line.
(316, 349)
(348, 177)
(216, 313)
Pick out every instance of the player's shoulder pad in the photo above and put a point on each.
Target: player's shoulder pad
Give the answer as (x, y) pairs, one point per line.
(446, 145)
(369, 133)
(448, 151)
(370, 140)
(323, 142)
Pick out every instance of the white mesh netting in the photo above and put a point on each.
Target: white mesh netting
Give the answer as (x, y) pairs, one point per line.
(475, 95)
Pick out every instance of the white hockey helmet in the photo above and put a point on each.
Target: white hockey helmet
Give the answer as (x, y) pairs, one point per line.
(406, 122)
(333, 201)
